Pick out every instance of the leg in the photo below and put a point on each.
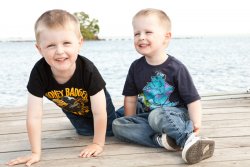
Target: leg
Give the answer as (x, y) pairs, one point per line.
(111, 116)
(134, 129)
(85, 125)
(172, 121)
(139, 110)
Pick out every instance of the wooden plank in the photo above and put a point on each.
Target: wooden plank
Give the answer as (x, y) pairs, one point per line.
(51, 128)
(132, 155)
(229, 118)
(226, 132)
(226, 103)
(4, 114)
(58, 113)
(13, 141)
(80, 141)
(236, 95)
(213, 124)
(20, 118)
(114, 160)
(226, 110)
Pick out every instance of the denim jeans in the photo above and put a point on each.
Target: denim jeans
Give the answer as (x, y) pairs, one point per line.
(120, 111)
(85, 125)
(141, 128)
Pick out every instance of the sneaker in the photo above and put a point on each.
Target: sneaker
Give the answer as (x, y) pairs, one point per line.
(166, 142)
(197, 149)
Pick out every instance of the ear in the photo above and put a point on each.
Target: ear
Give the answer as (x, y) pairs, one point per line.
(80, 44)
(39, 49)
(168, 35)
(81, 41)
(167, 38)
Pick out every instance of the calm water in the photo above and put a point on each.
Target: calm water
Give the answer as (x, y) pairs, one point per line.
(216, 64)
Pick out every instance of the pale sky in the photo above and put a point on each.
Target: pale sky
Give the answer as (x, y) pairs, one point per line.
(189, 17)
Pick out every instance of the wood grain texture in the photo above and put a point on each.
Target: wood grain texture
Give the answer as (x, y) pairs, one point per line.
(226, 119)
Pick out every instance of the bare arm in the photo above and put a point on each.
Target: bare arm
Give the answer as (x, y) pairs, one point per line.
(98, 106)
(194, 110)
(34, 123)
(130, 103)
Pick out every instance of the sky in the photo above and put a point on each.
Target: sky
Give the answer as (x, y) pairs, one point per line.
(189, 17)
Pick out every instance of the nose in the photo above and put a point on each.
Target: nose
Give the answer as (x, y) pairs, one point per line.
(142, 36)
(59, 50)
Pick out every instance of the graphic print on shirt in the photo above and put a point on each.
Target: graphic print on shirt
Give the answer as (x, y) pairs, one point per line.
(156, 93)
(73, 100)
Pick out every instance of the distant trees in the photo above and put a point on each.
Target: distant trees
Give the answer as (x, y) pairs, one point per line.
(89, 28)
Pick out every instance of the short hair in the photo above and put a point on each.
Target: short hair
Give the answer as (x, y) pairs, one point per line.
(56, 18)
(163, 17)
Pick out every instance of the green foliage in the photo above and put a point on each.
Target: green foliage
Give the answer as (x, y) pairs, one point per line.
(89, 28)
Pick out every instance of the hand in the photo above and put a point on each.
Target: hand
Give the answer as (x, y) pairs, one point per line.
(27, 160)
(91, 151)
(196, 131)
(197, 128)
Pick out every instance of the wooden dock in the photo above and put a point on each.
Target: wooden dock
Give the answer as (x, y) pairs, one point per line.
(226, 119)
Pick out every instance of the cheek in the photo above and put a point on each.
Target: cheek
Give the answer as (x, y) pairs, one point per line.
(135, 41)
(166, 41)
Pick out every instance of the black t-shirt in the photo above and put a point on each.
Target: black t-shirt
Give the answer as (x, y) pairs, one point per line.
(74, 95)
(165, 85)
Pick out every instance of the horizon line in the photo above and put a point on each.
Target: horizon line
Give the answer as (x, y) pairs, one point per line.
(110, 38)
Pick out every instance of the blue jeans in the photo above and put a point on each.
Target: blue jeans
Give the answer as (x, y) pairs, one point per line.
(141, 128)
(85, 125)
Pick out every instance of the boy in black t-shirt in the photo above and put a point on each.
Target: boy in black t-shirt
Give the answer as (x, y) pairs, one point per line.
(162, 105)
(69, 80)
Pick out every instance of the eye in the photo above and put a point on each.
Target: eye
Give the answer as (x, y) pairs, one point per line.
(149, 32)
(51, 45)
(136, 34)
(67, 43)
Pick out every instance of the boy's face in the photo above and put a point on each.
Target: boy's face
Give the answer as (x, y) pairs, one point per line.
(60, 47)
(151, 37)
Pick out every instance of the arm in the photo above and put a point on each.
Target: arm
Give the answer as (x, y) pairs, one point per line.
(130, 103)
(194, 111)
(98, 106)
(34, 123)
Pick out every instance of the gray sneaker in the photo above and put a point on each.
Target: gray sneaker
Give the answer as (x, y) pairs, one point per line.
(167, 142)
(197, 149)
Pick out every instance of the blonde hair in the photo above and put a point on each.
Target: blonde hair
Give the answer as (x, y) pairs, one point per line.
(56, 18)
(163, 17)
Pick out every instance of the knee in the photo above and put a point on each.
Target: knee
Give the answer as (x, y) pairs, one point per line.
(155, 117)
(115, 122)
(116, 126)
(85, 132)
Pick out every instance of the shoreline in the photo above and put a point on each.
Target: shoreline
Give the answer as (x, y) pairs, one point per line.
(130, 38)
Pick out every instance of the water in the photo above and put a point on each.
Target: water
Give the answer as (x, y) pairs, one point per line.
(217, 65)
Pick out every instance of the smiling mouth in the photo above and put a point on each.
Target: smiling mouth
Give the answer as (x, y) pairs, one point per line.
(61, 59)
(143, 45)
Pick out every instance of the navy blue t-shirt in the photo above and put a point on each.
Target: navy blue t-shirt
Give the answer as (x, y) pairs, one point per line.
(165, 85)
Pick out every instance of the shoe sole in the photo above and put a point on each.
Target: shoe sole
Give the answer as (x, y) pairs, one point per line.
(198, 150)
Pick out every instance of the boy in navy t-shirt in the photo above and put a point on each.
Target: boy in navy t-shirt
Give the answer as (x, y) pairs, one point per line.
(162, 105)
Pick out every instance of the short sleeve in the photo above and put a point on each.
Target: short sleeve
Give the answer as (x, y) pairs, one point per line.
(186, 87)
(93, 79)
(130, 86)
(36, 82)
